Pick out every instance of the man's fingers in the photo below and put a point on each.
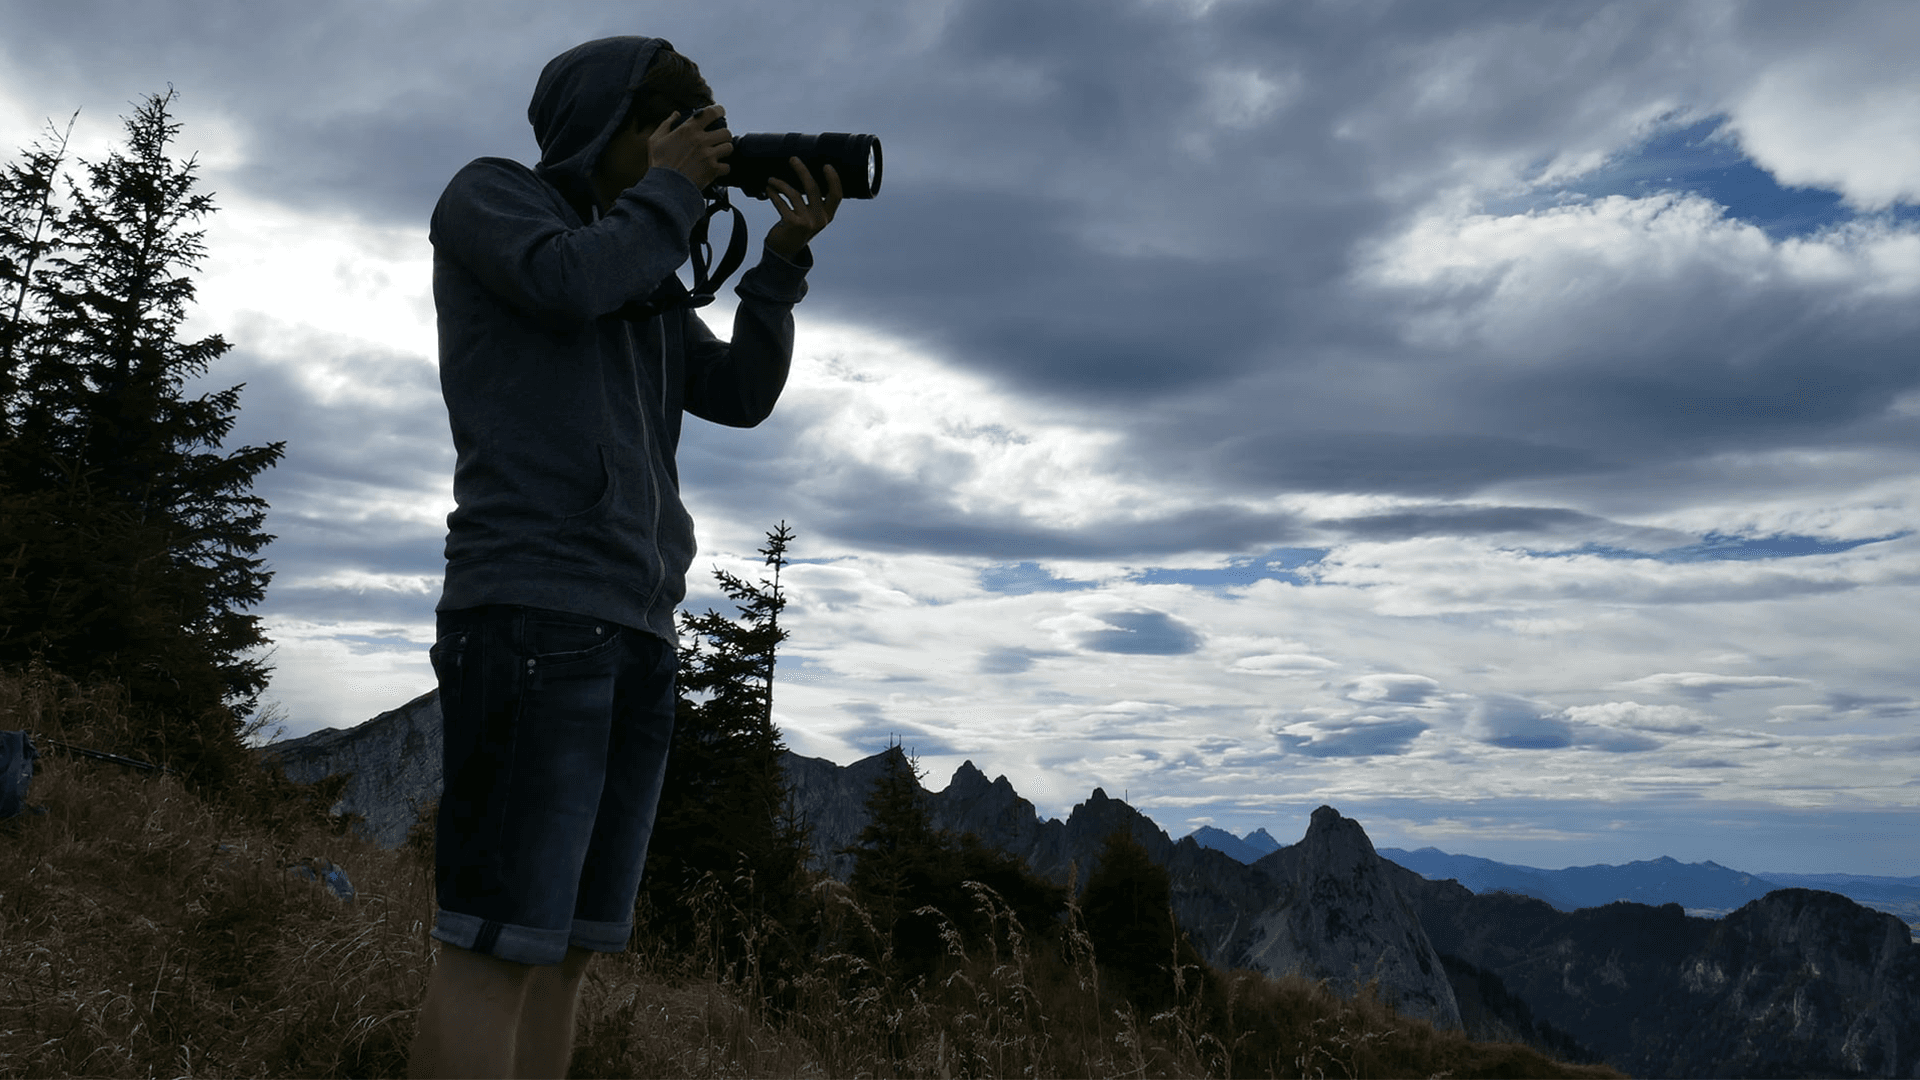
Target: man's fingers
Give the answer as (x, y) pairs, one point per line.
(833, 190)
(806, 177)
(792, 196)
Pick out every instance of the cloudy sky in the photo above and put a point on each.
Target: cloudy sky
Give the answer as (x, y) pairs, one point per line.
(1497, 421)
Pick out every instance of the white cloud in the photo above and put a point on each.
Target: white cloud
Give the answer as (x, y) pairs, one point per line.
(1399, 689)
(281, 270)
(1632, 715)
(1282, 664)
(1701, 684)
(1529, 286)
(1845, 115)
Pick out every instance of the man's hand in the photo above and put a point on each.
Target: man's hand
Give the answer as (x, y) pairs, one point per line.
(801, 216)
(690, 149)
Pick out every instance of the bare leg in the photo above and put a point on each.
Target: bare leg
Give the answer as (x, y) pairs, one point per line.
(544, 1045)
(469, 1018)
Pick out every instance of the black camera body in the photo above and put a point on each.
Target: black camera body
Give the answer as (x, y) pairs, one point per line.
(759, 157)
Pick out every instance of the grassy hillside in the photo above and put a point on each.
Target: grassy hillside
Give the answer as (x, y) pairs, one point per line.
(146, 933)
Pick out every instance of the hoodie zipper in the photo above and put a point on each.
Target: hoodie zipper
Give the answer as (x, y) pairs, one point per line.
(660, 557)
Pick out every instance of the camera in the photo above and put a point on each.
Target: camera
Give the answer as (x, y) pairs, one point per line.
(759, 157)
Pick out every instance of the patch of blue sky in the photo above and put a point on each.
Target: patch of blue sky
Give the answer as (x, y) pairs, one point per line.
(1019, 579)
(1718, 547)
(1692, 159)
(1280, 564)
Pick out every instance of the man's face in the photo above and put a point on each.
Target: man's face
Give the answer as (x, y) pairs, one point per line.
(625, 161)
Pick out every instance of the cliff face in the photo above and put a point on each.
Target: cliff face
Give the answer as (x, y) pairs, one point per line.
(394, 759)
(1797, 982)
(833, 801)
(1325, 908)
(1338, 914)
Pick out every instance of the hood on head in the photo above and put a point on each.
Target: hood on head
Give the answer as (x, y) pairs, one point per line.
(578, 104)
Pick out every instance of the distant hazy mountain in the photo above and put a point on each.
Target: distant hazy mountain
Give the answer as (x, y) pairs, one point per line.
(1894, 895)
(1481, 875)
(1246, 849)
(1703, 888)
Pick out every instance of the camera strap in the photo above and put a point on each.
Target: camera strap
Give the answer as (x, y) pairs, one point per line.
(705, 284)
(706, 278)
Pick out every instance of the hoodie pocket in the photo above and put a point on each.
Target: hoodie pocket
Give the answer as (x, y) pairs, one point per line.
(609, 486)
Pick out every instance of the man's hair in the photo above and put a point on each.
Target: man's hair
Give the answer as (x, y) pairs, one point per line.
(672, 84)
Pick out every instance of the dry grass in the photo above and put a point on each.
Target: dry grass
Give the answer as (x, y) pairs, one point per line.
(146, 933)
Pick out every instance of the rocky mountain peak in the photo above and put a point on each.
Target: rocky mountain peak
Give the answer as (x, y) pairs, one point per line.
(1335, 839)
(1339, 914)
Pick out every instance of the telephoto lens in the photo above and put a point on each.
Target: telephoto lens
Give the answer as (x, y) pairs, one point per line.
(756, 158)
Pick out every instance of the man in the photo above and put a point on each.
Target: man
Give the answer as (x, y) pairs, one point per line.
(566, 363)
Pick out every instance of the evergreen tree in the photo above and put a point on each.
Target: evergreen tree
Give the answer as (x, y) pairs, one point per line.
(726, 821)
(29, 220)
(1128, 908)
(128, 541)
(903, 865)
(899, 854)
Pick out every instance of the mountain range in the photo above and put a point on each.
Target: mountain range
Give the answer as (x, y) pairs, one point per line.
(1792, 982)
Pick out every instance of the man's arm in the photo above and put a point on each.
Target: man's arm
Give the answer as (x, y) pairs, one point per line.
(510, 230)
(737, 384)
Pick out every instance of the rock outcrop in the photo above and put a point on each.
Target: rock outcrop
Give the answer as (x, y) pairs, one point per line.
(832, 799)
(1338, 914)
(394, 761)
(1326, 908)
(1796, 983)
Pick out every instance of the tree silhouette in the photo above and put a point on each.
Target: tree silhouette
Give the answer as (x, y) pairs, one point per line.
(1128, 908)
(903, 864)
(726, 827)
(127, 540)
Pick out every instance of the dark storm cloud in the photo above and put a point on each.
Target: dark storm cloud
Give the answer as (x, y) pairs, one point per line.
(853, 505)
(1387, 462)
(1141, 633)
(1465, 521)
(1078, 206)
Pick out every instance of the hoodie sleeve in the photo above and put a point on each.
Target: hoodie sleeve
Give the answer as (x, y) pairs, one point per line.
(516, 235)
(737, 384)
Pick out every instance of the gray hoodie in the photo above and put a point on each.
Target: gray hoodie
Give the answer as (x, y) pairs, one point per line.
(565, 413)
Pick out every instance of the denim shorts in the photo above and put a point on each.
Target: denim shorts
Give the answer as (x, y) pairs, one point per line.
(557, 729)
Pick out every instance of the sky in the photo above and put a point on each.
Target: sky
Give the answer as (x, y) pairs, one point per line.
(1494, 420)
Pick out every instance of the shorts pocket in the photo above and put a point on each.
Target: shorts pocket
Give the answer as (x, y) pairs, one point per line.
(550, 639)
(449, 659)
(448, 655)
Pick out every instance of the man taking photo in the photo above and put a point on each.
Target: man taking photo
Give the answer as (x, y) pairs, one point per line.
(566, 361)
